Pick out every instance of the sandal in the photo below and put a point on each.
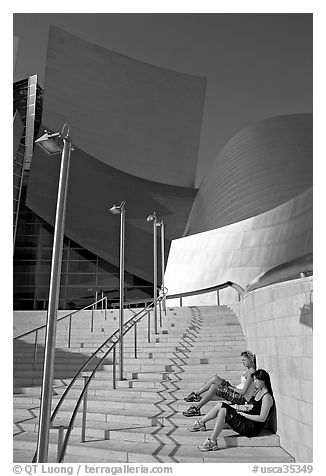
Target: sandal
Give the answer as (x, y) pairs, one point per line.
(192, 411)
(193, 397)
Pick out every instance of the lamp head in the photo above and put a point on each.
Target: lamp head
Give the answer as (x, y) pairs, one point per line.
(151, 217)
(117, 209)
(49, 143)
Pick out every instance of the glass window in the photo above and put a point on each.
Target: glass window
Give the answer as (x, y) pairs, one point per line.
(24, 304)
(24, 253)
(107, 281)
(22, 103)
(31, 278)
(26, 240)
(80, 254)
(81, 266)
(81, 278)
(27, 228)
(104, 266)
(46, 254)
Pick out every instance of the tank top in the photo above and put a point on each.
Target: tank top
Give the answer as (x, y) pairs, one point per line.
(256, 409)
(242, 382)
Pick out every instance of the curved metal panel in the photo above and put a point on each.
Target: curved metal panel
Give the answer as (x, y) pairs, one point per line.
(136, 117)
(93, 188)
(283, 272)
(241, 251)
(260, 168)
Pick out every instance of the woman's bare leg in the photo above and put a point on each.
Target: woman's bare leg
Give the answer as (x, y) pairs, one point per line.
(212, 392)
(215, 379)
(212, 413)
(219, 425)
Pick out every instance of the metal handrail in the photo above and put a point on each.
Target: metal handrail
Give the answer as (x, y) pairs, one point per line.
(114, 339)
(61, 318)
(130, 303)
(37, 329)
(217, 288)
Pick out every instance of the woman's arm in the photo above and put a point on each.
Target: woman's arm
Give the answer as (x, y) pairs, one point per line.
(265, 408)
(248, 382)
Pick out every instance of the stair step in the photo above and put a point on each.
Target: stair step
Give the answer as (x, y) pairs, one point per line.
(141, 420)
(155, 452)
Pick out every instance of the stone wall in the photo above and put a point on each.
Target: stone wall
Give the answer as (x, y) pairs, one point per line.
(278, 322)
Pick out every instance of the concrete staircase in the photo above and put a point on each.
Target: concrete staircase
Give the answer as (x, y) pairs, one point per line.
(141, 420)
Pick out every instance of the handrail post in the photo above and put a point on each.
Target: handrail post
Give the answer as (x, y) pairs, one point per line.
(35, 349)
(69, 332)
(162, 260)
(148, 326)
(114, 369)
(112, 339)
(92, 319)
(102, 307)
(160, 305)
(180, 301)
(135, 337)
(96, 296)
(83, 431)
(218, 297)
(106, 307)
(60, 429)
(60, 441)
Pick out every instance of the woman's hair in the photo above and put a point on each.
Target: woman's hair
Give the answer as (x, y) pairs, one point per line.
(261, 374)
(249, 356)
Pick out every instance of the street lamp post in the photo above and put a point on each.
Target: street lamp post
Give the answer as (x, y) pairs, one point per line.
(50, 144)
(153, 218)
(121, 210)
(161, 225)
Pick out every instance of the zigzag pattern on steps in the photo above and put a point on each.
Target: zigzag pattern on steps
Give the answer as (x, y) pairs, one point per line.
(142, 421)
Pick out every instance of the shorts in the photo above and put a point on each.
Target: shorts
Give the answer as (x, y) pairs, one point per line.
(230, 394)
(240, 424)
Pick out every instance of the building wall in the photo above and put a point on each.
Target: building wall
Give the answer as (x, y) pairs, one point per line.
(239, 252)
(93, 188)
(137, 117)
(278, 324)
(261, 167)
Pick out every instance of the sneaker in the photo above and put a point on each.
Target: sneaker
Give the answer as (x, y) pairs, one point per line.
(193, 397)
(198, 426)
(192, 411)
(209, 445)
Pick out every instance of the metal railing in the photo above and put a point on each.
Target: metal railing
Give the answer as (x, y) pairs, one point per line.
(37, 330)
(210, 289)
(112, 342)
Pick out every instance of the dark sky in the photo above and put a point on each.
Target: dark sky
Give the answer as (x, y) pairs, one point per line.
(257, 65)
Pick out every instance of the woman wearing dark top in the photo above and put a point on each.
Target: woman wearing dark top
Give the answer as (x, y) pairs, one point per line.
(247, 423)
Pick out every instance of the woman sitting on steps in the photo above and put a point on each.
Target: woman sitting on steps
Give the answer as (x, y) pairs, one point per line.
(218, 387)
(247, 423)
